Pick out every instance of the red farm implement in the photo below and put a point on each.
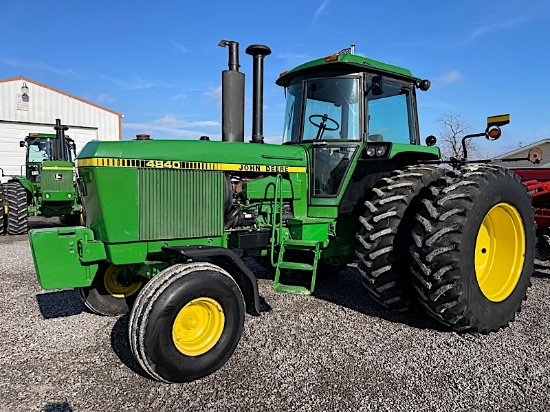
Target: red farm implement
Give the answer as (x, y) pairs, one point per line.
(537, 181)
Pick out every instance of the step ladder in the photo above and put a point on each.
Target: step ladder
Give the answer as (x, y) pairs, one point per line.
(282, 264)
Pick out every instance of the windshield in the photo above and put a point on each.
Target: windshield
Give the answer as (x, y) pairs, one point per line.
(39, 150)
(331, 110)
(390, 113)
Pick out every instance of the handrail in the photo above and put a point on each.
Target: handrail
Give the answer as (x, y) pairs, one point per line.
(277, 198)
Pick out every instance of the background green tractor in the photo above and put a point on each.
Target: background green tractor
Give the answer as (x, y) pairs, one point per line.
(350, 183)
(48, 187)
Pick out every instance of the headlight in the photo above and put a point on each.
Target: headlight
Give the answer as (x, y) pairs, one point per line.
(47, 195)
(69, 195)
(371, 150)
(380, 150)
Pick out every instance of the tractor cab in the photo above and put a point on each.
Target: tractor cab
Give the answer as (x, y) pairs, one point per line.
(347, 108)
(42, 147)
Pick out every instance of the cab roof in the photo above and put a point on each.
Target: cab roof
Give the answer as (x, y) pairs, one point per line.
(344, 63)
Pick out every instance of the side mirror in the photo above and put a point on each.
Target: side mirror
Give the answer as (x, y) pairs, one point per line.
(22, 143)
(431, 140)
(377, 87)
(424, 85)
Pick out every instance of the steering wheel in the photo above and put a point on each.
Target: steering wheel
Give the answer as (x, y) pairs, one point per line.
(322, 125)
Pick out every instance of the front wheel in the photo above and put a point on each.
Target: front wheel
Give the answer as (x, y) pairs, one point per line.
(474, 248)
(186, 322)
(112, 292)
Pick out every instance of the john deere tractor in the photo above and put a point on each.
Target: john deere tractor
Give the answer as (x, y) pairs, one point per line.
(48, 187)
(350, 182)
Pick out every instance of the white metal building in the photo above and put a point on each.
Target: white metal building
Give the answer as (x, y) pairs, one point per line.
(523, 152)
(27, 106)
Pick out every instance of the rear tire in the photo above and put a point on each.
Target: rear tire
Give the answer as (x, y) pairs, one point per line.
(186, 322)
(474, 248)
(385, 236)
(106, 296)
(17, 216)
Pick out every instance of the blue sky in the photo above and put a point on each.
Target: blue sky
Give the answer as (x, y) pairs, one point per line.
(158, 63)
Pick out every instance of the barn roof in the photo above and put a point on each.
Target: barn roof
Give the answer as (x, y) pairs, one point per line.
(26, 79)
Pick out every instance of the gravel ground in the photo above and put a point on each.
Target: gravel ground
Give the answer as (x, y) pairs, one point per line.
(335, 351)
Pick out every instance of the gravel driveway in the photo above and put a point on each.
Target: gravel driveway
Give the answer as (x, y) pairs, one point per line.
(335, 351)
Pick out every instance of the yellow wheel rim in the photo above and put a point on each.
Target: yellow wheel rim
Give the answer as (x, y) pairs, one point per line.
(116, 289)
(198, 326)
(500, 252)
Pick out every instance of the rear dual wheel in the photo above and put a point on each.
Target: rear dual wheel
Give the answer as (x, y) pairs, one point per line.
(474, 248)
(385, 236)
(186, 322)
(111, 293)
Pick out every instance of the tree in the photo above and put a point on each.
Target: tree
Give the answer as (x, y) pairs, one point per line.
(453, 129)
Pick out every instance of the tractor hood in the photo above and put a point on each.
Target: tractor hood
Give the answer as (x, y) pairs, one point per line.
(197, 155)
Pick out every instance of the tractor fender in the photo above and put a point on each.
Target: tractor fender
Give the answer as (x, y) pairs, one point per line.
(228, 260)
(23, 181)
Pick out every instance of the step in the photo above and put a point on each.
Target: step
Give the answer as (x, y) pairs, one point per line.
(295, 266)
(292, 289)
(300, 243)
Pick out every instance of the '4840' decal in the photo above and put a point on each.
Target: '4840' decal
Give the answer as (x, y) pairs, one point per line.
(164, 164)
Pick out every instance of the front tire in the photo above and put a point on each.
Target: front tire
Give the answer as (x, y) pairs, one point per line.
(186, 322)
(109, 294)
(474, 248)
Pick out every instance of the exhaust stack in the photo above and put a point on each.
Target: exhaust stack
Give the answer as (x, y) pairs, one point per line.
(258, 52)
(232, 96)
(58, 150)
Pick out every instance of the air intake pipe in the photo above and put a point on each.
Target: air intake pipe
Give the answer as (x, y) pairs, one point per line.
(232, 96)
(258, 52)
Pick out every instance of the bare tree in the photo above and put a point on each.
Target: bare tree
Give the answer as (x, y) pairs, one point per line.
(453, 129)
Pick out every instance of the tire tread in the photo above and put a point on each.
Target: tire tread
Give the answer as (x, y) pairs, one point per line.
(17, 217)
(384, 238)
(436, 249)
(144, 304)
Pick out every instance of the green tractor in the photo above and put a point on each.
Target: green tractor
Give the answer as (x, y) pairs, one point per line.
(350, 182)
(48, 187)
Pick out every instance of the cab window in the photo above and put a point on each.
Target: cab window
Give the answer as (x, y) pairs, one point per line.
(39, 150)
(390, 116)
(330, 108)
